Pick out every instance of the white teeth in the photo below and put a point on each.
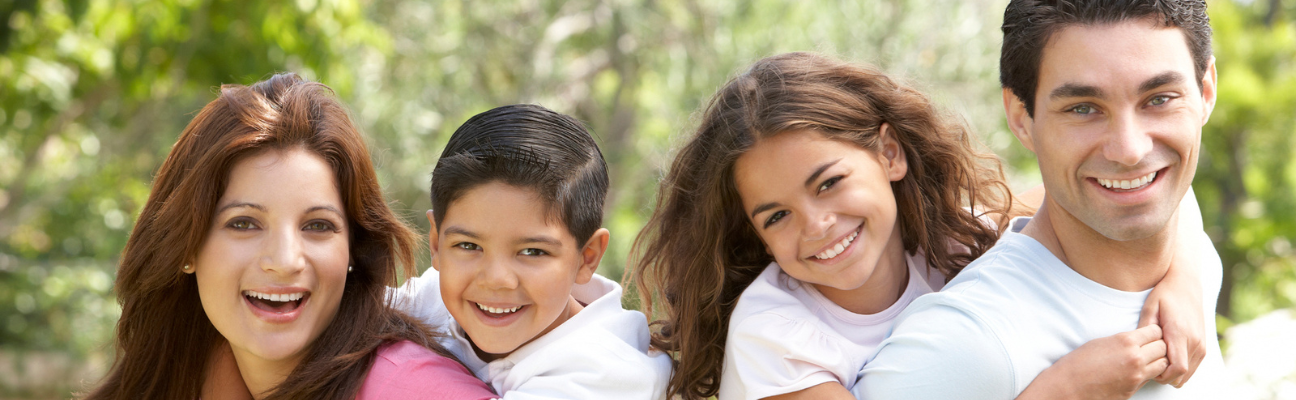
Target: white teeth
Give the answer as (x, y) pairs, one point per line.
(1128, 184)
(282, 297)
(494, 310)
(835, 250)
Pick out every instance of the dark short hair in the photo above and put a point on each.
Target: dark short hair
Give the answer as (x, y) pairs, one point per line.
(1028, 25)
(531, 147)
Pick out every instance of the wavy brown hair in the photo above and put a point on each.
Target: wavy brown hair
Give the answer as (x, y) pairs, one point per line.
(164, 337)
(698, 251)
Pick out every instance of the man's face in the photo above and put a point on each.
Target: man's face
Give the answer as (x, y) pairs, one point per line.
(1117, 125)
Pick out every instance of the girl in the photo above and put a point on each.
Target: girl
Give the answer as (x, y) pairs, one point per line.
(816, 200)
(266, 237)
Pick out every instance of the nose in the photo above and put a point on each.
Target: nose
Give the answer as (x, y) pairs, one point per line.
(817, 224)
(1128, 142)
(497, 275)
(283, 252)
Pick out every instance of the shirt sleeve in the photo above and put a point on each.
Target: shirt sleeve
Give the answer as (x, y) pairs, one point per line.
(939, 351)
(420, 297)
(773, 355)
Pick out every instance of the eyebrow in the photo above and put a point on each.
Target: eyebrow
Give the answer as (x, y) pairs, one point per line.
(242, 204)
(1160, 80)
(1076, 90)
(325, 208)
(455, 230)
(809, 181)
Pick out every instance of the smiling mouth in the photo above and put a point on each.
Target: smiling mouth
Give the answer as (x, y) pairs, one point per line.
(276, 303)
(838, 248)
(497, 312)
(1132, 184)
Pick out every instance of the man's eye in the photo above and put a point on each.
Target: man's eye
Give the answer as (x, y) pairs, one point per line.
(1083, 109)
(533, 252)
(468, 246)
(775, 217)
(1158, 100)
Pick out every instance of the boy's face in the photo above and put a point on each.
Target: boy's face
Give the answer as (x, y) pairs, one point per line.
(506, 271)
(1117, 125)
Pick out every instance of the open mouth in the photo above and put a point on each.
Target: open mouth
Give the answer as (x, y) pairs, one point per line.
(840, 247)
(497, 312)
(276, 303)
(1128, 185)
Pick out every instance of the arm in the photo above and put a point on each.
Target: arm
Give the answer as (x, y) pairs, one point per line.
(1176, 302)
(826, 390)
(1112, 367)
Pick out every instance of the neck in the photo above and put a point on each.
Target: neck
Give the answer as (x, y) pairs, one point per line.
(882, 289)
(261, 375)
(1132, 265)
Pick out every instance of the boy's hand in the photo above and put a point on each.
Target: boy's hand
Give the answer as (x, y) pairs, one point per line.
(1175, 304)
(1112, 367)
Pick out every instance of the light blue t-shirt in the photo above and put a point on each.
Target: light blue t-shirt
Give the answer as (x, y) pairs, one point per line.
(1012, 313)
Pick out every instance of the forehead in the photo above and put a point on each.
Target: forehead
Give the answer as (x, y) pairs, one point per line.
(1114, 57)
(504, 210)
(283, 175)
(780, 163)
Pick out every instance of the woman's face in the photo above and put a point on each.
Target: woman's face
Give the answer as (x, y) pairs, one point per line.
(272, 270)
(823, 207)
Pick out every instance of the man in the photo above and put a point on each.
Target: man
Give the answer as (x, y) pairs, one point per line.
(1111, 96)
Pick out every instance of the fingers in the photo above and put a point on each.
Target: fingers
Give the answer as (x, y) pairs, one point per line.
(1151, 352)
(1144, 335)
(1155, 367)
(1148, 316)
(1177, 354)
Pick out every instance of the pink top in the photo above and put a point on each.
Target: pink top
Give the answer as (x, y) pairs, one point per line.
(405, 370)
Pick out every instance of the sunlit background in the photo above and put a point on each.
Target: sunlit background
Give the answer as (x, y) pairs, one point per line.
(93, 94)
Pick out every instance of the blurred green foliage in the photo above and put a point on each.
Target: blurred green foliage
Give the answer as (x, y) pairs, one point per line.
(93, 94)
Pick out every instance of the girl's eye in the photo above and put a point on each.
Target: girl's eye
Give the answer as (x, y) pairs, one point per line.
(533, 252)
(829, 183)
(320, 226)
(1082, 109)
(775, 217)
(468, 246)
(241, 225)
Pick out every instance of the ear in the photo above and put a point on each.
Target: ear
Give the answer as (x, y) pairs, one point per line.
(893, 156)
(432, 239)
(1019, 121)
(1208, 89)
(591, 255)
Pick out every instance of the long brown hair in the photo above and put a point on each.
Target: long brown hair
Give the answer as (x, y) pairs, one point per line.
(164, 337)
(698, 251)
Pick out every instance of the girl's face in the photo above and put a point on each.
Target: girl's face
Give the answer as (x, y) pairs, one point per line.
(272, 270)
(823, 207)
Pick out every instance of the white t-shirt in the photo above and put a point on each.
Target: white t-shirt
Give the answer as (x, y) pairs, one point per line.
(1012, 313)
(785, 336)
(600, 353)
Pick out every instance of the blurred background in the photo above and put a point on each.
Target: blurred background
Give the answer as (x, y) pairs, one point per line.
(93, 93)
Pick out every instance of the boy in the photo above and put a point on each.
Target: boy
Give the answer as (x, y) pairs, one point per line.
(517, 201)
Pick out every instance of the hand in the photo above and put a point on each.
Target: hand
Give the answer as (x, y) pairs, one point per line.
(1176, 305)
(1112, 367)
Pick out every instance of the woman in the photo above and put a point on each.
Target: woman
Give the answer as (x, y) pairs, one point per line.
(266, 236)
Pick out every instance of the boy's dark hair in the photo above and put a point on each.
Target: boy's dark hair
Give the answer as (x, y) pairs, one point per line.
(532, 147)
(1028, 25)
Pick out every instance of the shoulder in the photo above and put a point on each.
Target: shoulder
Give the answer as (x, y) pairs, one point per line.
(941, 348)
(604, 355)
(772, 293)
(406, 370)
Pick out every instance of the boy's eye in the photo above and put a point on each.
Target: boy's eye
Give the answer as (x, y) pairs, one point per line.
(468, 246)
(241, 224)
(775, 217)
(533, 252)
(829, 183)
